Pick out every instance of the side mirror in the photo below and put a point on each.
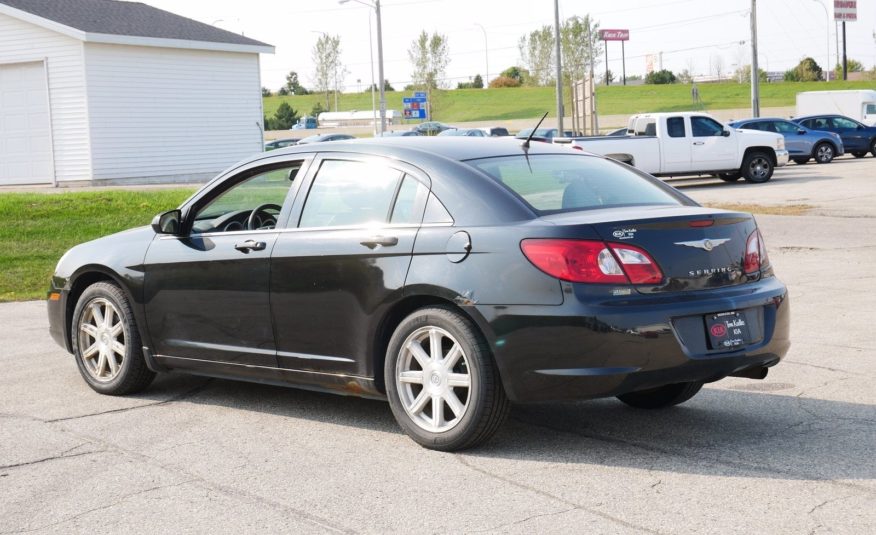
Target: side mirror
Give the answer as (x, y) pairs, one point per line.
(800, 132)
(725, 133)
(167, 222)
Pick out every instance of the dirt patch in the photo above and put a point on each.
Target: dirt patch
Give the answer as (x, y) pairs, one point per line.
(767, 209)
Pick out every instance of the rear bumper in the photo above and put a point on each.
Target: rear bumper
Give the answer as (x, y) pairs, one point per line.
(582, 350)
(782, 157)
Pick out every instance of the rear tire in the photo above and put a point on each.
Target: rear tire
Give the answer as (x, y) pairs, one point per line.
(108, 352)
(757, 167)
(859, 154)
(729, 177)
(873, 147)
(661, 397)
(823, 153)
(801, 161)
(432, 355)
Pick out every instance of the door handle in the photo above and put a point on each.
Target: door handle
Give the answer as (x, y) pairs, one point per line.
(374, 241)
(699, 142)
(250, 245)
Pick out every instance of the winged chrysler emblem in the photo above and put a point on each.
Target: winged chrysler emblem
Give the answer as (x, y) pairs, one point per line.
(707, 244)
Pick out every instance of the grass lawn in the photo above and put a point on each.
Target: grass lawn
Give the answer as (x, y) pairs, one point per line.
(527, 102)
(39, 227)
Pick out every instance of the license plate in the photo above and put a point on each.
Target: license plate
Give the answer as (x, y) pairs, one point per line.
(727, 330)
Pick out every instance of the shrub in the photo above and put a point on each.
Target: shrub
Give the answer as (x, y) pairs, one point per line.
(504, 81)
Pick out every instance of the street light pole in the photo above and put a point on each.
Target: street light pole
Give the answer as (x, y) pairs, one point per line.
(486, 56)
(376, 7)
(755, 75)
(827, 68)
(559, 68)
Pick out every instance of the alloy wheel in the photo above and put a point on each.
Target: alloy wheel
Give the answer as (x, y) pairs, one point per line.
(433, 379)
(824, 153)
(102, 340)
(759, 168)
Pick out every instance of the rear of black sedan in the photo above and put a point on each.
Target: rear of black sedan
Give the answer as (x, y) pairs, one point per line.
(515, 274)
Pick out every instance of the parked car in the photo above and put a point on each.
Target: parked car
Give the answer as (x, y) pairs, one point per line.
(496, 131)
(856, 104)
(858, 138)
(801, 142)
(281, 143)
(543, 134)
(431, 128)
(318, 138)
(691, 143)
(449, 276)
(464, 132)
(402, 133)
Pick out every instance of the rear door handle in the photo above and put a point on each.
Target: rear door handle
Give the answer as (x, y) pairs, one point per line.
(250, 245)
(374, 241)
(699, 143)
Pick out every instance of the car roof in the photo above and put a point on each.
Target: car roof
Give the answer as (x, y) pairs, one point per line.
(753, 119)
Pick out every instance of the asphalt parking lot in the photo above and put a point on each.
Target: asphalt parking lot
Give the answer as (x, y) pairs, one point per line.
(791, 454)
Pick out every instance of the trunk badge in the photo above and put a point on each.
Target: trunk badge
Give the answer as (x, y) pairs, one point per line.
(707, 244)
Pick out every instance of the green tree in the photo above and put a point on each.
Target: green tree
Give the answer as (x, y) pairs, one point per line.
(293, 86)
(328, 69)
(504, 81)
(266, 92)
(805, 71)
(430, 56)
(537, 53)
(316, 110)
(283, 91)
(852, 65)
(743, 75)
(516, 73)
(478, 82)
(284, 117)
(664, 76)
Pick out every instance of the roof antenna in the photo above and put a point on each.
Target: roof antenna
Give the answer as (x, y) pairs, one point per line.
(526, 143)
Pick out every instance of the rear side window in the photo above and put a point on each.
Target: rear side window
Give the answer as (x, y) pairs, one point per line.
(842, 122)
(675, 127)
(554, 183)
(410, 202)
(348, 193)
(785, 127)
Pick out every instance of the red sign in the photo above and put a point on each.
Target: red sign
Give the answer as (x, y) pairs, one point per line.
(845, 10)
(614, 35)
(719, 330)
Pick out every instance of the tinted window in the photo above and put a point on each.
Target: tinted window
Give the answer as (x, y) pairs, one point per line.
(819, 124)
(346, 193)
(705, 127)
(409, 203)
(675, 127)
(564, 183)
(753, 126)
(842, 122)
(786, 127)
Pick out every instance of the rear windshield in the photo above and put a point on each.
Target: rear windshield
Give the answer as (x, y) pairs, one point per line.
(553, 183)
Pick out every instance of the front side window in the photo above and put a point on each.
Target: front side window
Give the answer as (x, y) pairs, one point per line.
(263, 192)
(553, 183)
(786, 127)
(350, 193)
(705, 127)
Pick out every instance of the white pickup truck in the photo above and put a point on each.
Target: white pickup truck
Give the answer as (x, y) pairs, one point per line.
(690, 143)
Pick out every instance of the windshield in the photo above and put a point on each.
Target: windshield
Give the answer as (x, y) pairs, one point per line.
(553, 183)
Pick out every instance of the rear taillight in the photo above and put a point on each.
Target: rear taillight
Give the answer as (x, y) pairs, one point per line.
(755, 253)
(592, 261)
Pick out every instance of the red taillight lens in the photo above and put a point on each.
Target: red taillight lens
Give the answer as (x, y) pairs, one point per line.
(591, 261)
(755, 253)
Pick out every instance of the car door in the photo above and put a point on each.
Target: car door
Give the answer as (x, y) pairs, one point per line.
(711, 149)
(207, 290)
(676, 146)
(853, 134)
(345, 263)
(796, 142)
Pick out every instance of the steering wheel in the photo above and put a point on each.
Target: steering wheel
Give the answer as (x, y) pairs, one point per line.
(251, 220)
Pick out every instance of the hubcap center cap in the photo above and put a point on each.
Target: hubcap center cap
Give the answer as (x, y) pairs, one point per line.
(435, 379)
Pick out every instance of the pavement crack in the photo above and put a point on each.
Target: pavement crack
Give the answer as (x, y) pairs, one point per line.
(524, 520)
(52, 458)
(180, 397)
(572, 505)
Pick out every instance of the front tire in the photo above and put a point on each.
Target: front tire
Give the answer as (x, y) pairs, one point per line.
(823, 153)
(859, 154)
(106, 343)
(801, 161)
(729, 177)
(661, 397)
(757, 167)
(442, 383)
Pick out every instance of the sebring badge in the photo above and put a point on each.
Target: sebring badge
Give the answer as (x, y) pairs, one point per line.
(706, 244)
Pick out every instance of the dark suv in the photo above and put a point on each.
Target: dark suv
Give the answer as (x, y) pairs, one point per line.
(858, 138)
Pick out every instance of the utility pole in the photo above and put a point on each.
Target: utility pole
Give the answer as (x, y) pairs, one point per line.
(559, 68)
(755, 78)
(845, 59)
(486, 56)
(380, 69)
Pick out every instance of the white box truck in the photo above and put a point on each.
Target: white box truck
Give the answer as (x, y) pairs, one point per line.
(859, 104)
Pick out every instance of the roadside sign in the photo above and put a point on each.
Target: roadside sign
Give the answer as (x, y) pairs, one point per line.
(614, 35)
(412, 100)
(415, 113)
(845, 10)
(420, 94)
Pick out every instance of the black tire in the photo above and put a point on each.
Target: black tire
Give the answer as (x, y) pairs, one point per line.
(132, 375)
(661, 397)
(801, 161)
(873, 147)
(757, 167)
(486, 406)
(729, 177)
(823, 152)
(859, 154)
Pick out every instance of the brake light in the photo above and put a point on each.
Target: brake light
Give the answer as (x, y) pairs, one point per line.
(592, 261)
(755, 253)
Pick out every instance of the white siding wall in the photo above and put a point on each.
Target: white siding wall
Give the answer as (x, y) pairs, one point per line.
(22, 41)
(160, 114)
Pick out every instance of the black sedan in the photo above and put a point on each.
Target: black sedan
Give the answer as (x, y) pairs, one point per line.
(450, 276)
(858, 138)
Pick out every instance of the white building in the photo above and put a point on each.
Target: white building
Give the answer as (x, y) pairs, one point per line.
(97, 91)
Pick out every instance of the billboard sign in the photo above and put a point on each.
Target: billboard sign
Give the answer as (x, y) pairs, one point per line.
(614, 35)
(845, 10)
